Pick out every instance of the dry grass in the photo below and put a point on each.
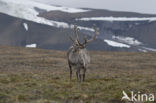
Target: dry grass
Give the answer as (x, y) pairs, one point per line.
(41, 76)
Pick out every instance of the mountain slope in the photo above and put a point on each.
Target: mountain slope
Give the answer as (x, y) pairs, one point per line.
(49, 27)
(44, 36)
(114, 25)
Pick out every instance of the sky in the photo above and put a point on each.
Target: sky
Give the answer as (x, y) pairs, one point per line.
(141, 6)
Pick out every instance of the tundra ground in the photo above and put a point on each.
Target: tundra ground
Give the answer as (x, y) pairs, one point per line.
(42, 76)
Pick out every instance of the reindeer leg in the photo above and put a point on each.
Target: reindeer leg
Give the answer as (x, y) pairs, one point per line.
(80, 75)
(70, 67)
(84, 73)
(77, 74)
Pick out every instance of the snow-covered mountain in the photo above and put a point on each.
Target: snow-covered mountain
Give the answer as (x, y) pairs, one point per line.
(27, 9)
(49, 26)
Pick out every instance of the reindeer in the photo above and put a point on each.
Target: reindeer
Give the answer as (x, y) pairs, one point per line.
(78, 56)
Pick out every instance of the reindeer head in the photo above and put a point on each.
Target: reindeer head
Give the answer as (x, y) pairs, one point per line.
(76, 41)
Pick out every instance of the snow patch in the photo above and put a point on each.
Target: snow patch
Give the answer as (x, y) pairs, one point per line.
(31, 46)
(84, 28)
(118, 19)
(26, 26)
(142, 50)
(128, 40)
(150, 49)
(116, 44)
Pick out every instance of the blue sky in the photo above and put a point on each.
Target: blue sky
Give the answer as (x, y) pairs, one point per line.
(142, 6)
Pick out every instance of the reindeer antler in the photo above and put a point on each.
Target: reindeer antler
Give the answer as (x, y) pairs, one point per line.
(76, 32)
(76, 41)
(93, 38)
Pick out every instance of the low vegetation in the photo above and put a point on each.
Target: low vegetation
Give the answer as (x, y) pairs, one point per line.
(42, 76)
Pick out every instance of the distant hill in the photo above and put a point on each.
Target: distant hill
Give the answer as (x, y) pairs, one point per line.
(49, 27)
